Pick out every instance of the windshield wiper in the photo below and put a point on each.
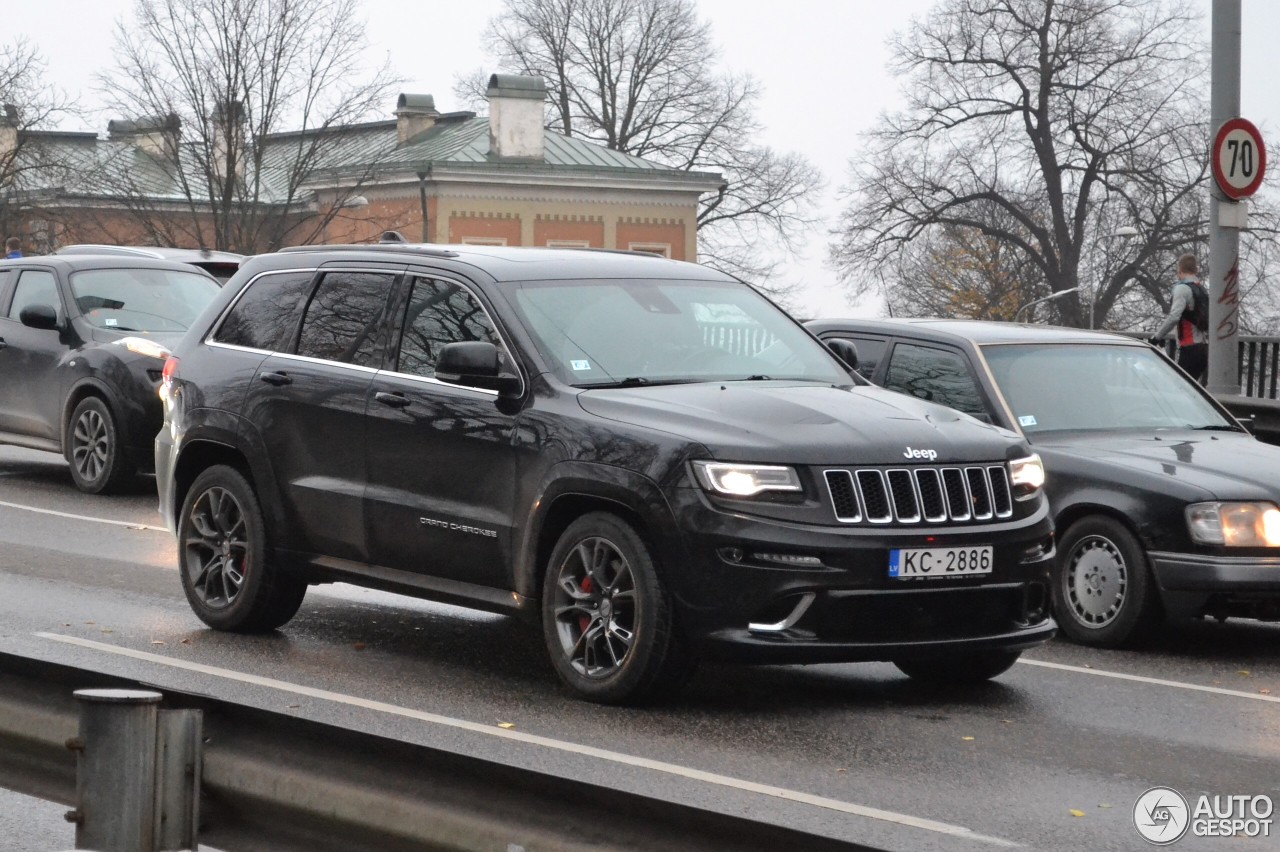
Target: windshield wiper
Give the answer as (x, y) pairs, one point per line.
(1218, 427)
(635, 382)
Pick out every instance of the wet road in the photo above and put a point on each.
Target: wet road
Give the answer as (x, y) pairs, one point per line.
(857, 752)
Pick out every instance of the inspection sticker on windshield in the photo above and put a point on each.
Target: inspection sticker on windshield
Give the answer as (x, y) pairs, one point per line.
(580, 365)
(1027, 420)
(111, 321)
(939, 561)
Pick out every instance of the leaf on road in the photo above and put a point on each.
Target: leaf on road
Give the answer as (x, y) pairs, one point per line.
(1006, 721)
(294, 706)
(967, 739)
(505, 725)
(186, 641)
(1076, 813)
(156, 642)
(359, 646)
(107, 630)
(1265, 691)
(1104, 806)
(842, 770)
(136, 527)
(1244, 673)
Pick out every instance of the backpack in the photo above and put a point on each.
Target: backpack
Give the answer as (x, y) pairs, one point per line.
(1198, 313)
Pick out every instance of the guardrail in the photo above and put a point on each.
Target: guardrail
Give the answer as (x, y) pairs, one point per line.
(274, 781)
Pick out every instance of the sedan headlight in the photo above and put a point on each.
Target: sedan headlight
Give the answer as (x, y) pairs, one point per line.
(745, 480)
(1234, 524)
(143, 346)
(1027, 476)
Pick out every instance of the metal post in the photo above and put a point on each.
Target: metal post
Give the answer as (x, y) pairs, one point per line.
(116, 770)
(178, 768)
(1224, 243)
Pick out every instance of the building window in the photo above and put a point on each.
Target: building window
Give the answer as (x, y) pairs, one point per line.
(484, 241)
(568, 244)
(663, 249)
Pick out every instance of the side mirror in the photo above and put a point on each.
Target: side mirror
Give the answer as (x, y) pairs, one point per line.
(475, 364)
(845, 350)
(39, 316)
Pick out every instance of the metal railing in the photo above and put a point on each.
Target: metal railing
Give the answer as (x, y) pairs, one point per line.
(272, 780)
(736, 337)
(1259, 367)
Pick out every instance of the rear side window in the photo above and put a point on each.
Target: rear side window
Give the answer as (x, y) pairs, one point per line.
(439, 312)
(35, 287)
(5, 276)
(344, 317)
(937, 375)
(266, 314)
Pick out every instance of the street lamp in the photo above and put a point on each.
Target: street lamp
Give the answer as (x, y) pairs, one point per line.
(1125, 231)
(1048, 298)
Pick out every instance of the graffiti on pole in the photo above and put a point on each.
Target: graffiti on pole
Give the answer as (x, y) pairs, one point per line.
(1230, 297)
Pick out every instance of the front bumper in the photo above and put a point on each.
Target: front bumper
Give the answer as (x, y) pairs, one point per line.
(1193, 585)
(848, 608)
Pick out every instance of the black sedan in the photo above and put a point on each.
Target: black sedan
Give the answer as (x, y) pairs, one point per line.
(1165, 505)
(83, 342)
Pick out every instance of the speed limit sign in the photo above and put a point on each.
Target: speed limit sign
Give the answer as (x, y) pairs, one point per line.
(1239, 158)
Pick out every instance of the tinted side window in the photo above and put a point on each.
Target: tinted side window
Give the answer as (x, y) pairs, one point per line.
(35, 287)
(266, 314)
(5, 276)
(934, 374)
(344, 317)
(439, 312)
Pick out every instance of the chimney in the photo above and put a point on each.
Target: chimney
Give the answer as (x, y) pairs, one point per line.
(516, 117)
(228, 139)
(415, 115)
(157, 136)
(9, 123)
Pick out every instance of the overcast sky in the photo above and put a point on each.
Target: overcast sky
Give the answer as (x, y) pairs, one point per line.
(821, 63)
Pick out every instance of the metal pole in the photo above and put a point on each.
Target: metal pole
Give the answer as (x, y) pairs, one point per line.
(116, 770)
(1224, 243)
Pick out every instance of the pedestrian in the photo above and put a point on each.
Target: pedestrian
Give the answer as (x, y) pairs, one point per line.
(1190, 313)
(12, 248)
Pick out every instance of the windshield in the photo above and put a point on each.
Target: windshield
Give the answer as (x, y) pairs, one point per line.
(599, 333)
(1095, 388)
(141, 299)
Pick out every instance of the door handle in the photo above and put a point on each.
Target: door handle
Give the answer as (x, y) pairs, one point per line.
(276, 379)
(395, 400)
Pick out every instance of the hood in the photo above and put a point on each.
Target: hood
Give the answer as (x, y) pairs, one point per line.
(805, 423)
(1224, 465)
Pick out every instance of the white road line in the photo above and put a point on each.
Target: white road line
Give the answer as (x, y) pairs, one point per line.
(1155, 681)
(128, 524)
(544, 742)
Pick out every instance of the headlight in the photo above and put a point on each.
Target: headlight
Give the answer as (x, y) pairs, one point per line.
(1026, 476)
(143, 346)
(1234, 524)
(745, 480)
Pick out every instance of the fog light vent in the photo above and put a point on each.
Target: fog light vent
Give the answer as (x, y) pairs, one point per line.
(791, 560)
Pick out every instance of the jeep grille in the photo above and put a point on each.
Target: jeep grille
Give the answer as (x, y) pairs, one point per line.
(931, 495)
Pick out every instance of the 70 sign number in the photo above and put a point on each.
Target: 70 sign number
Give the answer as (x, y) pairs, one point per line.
(1239, 158)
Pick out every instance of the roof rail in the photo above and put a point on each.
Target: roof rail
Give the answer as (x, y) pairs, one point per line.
(415, 248)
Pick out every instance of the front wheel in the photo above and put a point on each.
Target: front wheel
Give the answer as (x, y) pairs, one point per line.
(222, 557)
(960, 668)
(99, 461)
(607, 621)
(1103, 592)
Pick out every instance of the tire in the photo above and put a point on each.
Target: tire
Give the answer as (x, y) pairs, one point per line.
(222, 551)
(100, 464)
(600, 587)
(1103, 591)
(959, 669)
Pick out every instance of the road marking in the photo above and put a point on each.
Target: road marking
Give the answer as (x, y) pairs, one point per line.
(545, 742)
(1155, 681)
(127, 524)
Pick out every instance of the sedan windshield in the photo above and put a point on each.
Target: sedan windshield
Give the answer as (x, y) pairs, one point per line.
(141, 299)
(1096, 388)
(600, 333)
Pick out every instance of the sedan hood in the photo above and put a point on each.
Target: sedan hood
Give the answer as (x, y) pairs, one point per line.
(805, 423)
(1207, 465)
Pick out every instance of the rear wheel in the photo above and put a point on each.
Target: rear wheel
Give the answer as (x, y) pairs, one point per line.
(1103, 591)
(222, 557)
(960, 668)
(607, 621)
(99, 462)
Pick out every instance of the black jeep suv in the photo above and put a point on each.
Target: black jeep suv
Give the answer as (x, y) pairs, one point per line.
(647, 456)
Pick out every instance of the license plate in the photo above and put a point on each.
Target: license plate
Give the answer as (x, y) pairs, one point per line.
(939, 561)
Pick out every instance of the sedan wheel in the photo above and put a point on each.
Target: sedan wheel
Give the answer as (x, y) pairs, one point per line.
(98, 460)
(1103, 592)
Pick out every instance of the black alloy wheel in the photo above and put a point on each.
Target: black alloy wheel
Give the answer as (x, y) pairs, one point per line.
(607, 621)
(99, 462)
(222, 557)
(1103, 592)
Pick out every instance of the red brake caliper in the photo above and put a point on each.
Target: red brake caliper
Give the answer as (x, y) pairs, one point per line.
(584, 620)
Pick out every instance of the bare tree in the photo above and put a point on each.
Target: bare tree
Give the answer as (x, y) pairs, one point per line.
(28, 104)
(242, 98)
(641, 77)
(1070, 119)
